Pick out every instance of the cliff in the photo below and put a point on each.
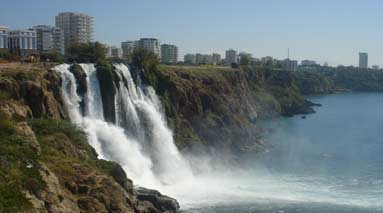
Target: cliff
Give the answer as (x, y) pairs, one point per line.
(46, 164)
(218, 107)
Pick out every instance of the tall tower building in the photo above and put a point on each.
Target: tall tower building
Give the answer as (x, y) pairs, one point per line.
(78, 27)
(363, 60)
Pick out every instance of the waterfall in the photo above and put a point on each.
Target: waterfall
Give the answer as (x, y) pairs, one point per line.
(140, 141)
(146, 114)
(93, 102)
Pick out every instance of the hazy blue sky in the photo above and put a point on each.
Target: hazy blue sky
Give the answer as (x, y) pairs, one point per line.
(331, 31)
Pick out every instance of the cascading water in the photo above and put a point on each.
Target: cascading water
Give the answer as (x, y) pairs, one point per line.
(93, 102)
(144, 108)
(140, 140)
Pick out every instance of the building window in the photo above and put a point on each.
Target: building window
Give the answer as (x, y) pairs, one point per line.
(33, 43)
(22, 43)
(4, 41)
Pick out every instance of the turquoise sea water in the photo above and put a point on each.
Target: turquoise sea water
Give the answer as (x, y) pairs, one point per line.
(332, 161)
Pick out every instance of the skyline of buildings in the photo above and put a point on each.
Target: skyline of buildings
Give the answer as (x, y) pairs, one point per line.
(78, 28)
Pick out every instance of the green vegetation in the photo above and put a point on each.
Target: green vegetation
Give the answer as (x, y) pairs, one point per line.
(92, 52)
(357, 79)
(5, 95)
(19, 169)
(244, 59)
(144, 59)
(65, 150)
(52, 56)
(6, 54)
(314, 83)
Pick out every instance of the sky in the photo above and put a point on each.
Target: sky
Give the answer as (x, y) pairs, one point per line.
(332, 31)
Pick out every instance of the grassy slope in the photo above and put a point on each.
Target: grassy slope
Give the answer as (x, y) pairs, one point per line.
(63, 148)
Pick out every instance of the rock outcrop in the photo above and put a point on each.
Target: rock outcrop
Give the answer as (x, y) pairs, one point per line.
(46, 164)
(159, 201)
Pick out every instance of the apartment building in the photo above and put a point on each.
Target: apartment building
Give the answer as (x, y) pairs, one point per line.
(49, 39)
(169, 53)
(78, 27)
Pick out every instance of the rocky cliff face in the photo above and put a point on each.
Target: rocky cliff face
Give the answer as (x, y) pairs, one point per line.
(46, 164)
(218, 107)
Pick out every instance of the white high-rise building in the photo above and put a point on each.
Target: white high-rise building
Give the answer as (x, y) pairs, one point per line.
(50, 39)
(3, 37)
(78, 27)
(169, 53)
(363, 60)
(231, 57)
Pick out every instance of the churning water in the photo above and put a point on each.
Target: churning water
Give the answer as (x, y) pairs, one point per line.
(330, 162)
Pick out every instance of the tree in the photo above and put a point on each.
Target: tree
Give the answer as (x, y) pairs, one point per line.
(144, 59)
(6, 54)
(244, 59)
(53, 56)
(92, 52)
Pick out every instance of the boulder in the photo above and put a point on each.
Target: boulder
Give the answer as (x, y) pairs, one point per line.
(161, 202)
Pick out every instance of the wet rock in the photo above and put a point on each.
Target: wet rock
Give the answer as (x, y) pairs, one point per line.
(108, 88)
(119, 176)
(80, 76)
(161, 202)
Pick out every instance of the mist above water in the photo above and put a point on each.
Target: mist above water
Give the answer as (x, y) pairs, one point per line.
(330, 159)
